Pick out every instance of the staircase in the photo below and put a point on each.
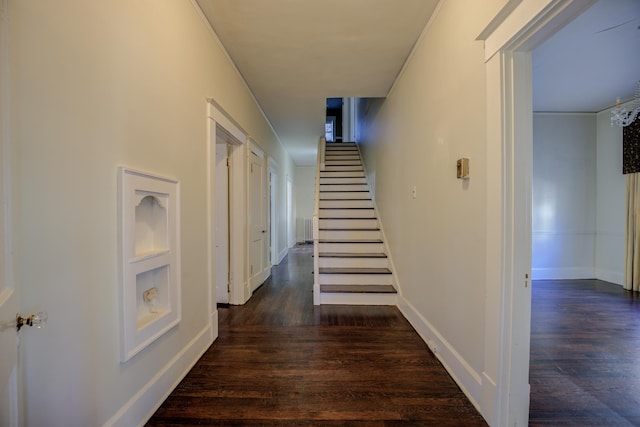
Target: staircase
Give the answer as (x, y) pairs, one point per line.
(352, 266)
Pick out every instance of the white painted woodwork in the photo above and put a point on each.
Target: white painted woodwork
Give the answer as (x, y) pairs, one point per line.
(352, 246)
(356, 279)
(352, 262)
(358, 299)
(150, 258)
(343, 187)
(222, 224)
(291, 222)
(349, 234)
(334, 168)
(347, 213)
(258, 243)
(10, 381)
(356, 174)
(344, 195)
(342, 204)
(347, 180)
(346, 223)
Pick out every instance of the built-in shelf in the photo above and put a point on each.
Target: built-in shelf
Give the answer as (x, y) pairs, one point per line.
(150, 253)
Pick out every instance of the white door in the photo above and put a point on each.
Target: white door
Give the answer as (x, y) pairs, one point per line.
(258, 258)
(222, 223)
(9, 303)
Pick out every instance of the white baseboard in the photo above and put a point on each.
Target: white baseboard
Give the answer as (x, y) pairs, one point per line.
(463, 374)
(139, 409)
(282, 254)
(562, 273)
(616, 277)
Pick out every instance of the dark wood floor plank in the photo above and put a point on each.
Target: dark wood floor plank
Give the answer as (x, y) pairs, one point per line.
(281, 361)
(585, 354)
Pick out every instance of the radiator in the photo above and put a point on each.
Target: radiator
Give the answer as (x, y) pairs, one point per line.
(308, 229)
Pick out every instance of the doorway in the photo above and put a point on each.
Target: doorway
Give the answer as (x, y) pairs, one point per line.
(223, 285)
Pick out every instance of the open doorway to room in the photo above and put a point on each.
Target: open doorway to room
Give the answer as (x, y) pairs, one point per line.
(578, 222)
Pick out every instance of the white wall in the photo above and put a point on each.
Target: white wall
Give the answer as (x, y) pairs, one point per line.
(578, 197)
(305, 197)
(97, 85)
(564, 196)
(435, 114)
(610, 201)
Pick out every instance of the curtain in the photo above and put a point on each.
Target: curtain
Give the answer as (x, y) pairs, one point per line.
(632, 247)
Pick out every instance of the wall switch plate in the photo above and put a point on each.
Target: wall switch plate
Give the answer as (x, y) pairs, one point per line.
(462, 167)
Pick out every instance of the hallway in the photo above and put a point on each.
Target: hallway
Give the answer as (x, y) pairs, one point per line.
(281, 361)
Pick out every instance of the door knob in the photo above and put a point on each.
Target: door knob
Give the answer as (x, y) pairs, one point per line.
(38, 320)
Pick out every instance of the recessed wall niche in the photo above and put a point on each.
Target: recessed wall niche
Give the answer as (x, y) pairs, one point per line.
(150, 257)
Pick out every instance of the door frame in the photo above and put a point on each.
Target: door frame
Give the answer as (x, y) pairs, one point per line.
(509, 40)
(218, 118)
(9, 291)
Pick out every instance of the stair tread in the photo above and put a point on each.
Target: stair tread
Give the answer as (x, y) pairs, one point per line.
(342, 200)
(367, 289)
(353, 270)
(350, 229)
(350, 241)
(356, 208)
(352, 255)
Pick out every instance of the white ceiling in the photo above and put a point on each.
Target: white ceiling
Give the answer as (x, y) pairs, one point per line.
(294, 54)
(590, 62)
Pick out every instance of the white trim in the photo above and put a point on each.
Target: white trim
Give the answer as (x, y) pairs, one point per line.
(529, 23)
(141, 407)
(273, 168)
(469, 381)
(509, 40)
(343, 298)
(283, 253)
(218, 117)
(563, 273)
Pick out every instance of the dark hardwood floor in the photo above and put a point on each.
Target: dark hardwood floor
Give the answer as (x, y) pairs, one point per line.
(281, 361)
(585, 354)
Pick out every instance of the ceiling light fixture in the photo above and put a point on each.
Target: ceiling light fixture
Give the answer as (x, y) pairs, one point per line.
(621, 116)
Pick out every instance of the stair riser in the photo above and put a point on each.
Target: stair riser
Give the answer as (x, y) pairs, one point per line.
(348, 224)
(348, 180)
(362, 195)
(331, 262)
(356, 279)
(351, 247)
(349, 234)
(340, 147)
(325, 174)
(345, 204)
(358, 299)
(329, 163)
(346, 213)
(350, 159)
(343, 187)
(328, 168)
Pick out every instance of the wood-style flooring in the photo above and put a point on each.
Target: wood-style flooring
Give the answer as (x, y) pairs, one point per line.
(585, 354)
(281, 361)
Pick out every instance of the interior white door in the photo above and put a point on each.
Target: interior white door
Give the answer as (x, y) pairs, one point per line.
(257, 221)
(222, 223)
(9, 302)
